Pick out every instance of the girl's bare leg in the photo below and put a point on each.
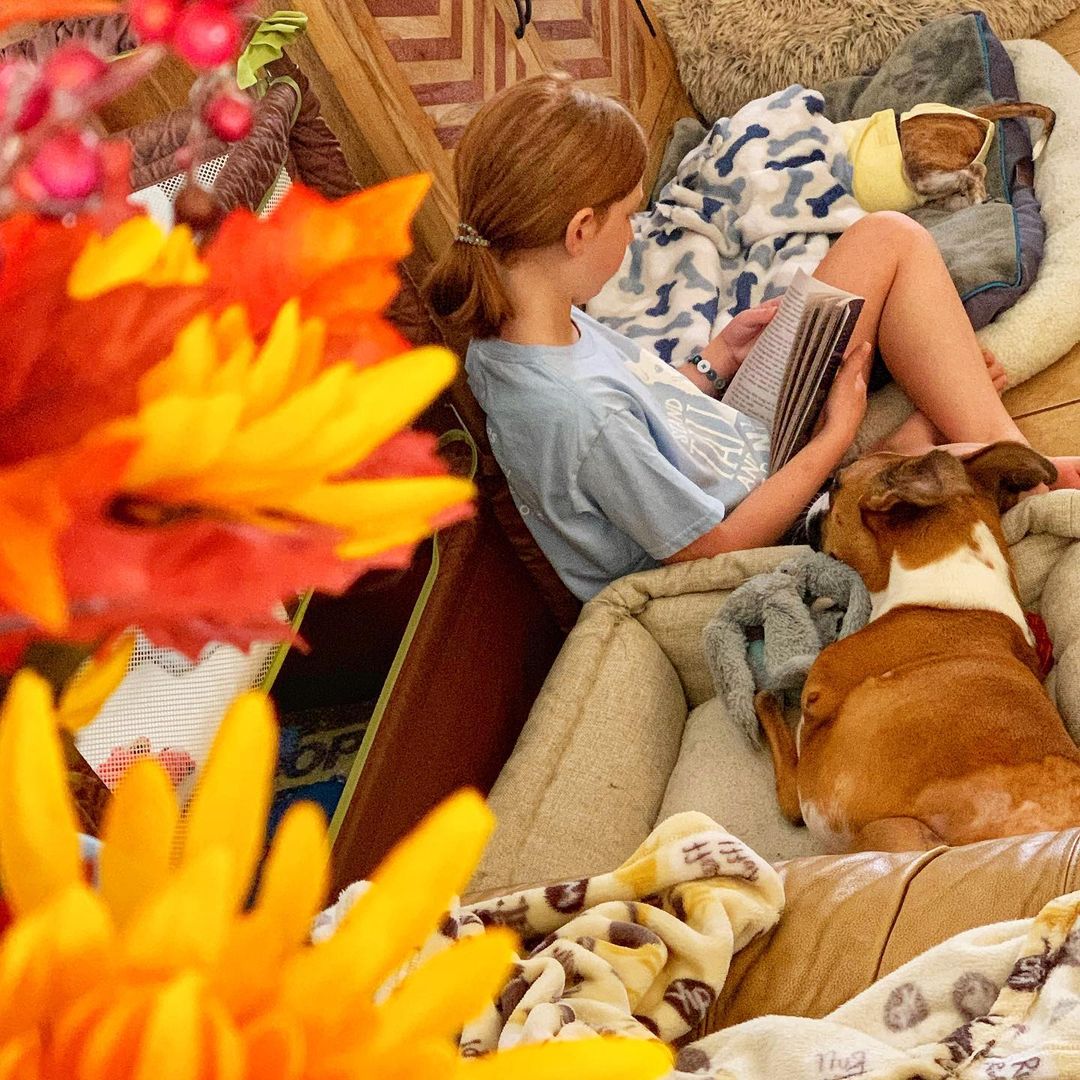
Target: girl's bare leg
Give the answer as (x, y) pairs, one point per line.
(916, 434)
(914, 316)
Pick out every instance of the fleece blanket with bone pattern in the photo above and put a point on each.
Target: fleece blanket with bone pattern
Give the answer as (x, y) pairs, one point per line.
(757, 200)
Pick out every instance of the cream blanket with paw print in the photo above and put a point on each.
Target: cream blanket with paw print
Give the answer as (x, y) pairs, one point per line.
(644, 950)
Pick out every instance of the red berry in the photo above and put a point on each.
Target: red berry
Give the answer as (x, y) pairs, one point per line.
(229, 116)
(154, 20)
(73, 67)
(207, 35)
(24, 98)
(68, 166)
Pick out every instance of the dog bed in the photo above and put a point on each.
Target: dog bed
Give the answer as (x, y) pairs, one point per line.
(730, 52)
(1044, 323)
(627, 731)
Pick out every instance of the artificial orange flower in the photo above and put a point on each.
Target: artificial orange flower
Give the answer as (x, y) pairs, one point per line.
(236, 443)
(340, 266)
(164, 974)
(19, 11)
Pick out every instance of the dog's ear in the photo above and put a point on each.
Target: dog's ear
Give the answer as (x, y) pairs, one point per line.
(918, 482)
(1003, 470)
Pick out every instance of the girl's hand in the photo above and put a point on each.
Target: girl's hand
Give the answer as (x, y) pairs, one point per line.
(845, 406)
(729, 348)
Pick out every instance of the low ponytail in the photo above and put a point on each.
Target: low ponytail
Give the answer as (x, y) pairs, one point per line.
(529, 160)
(466, 293)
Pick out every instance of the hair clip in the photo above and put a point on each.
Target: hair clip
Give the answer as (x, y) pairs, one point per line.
(468, 235)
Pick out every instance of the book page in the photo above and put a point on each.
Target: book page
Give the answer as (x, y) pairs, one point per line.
(794, 402)
(798, 349)
(812, 399)
(815, 314)
(755, 387)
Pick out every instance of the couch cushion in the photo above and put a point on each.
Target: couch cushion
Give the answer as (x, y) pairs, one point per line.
(714, 749)
(604, 732)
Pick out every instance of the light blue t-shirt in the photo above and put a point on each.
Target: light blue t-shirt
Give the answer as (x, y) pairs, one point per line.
(615, 460)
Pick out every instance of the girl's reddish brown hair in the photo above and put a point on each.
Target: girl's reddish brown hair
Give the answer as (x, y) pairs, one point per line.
(529, 160)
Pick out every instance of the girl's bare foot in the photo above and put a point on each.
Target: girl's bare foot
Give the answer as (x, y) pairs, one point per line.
(996, 372)
(1068, 473)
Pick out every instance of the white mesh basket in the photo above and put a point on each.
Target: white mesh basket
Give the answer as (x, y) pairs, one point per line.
(170, 707)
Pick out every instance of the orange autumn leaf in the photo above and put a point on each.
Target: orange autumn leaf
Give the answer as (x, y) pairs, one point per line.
(13, 12)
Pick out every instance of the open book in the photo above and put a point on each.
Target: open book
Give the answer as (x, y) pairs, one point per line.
(785, 378)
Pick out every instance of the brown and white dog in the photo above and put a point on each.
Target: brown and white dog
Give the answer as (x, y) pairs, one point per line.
(930, 725)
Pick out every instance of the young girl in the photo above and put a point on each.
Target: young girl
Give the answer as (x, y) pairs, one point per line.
(617, 461)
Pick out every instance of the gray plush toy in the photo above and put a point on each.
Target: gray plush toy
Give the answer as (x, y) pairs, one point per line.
(769, 631)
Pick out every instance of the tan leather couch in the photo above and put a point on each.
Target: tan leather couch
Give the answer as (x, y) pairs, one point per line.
(851, 919)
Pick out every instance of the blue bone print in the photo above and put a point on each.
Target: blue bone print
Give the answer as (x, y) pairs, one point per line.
(663, 238)
(814, 105)
(631, 281)
(820, 205)
(784, 99)
(710, 207)
(723, 194)
(707, 309)
(791, 252)
(743, 284)
(663, 300)
(841, 171)
(795, 162)
(761, 254)
(778, 146)
(680, 322)
(726, 163)
(797, 181)
(686, 269)
(664, 347)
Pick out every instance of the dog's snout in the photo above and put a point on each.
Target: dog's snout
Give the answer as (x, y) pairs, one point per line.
(815, 519)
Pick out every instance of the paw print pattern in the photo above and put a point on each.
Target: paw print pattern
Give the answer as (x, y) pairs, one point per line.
(905, 1008)
(974, 995)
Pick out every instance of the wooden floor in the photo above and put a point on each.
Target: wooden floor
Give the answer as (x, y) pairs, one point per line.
(1047, 407)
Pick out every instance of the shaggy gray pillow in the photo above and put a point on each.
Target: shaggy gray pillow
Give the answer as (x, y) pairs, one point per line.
(730, 51)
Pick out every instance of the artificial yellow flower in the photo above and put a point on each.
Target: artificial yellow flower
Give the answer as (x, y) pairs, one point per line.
(136, 252)
(192, 437)
(165, 975)
(268, 430)
(92, 685)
